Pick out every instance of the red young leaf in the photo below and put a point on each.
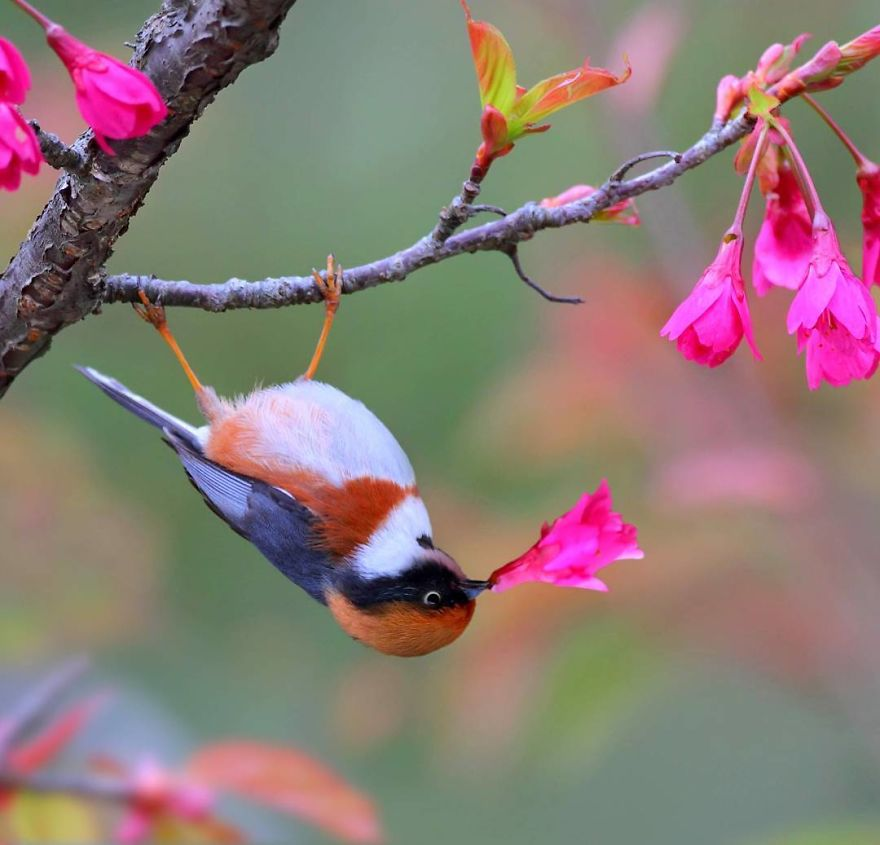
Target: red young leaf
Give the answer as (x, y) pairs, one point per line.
(289, 781)
(493, 60)
(40, 750)
(555, 93)
(34, 754)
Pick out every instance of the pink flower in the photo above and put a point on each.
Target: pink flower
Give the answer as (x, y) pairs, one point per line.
(19, 149)
(869, 182)
(575, 547)
(711, 322)
(834, 315)
(116, 100)
(785, 242)
(15, 78)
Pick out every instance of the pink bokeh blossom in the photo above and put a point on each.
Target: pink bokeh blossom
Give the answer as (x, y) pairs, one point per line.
(785, 242)
(624, 212)
(159, 794)
(116, 100)
(15, 78)
(834, 316)
(709, 325)
(575, 547)
(19, 149)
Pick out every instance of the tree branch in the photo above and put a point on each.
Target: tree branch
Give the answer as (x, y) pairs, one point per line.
(85, 786)
(498, 236)
(56, 153)
(191, 51)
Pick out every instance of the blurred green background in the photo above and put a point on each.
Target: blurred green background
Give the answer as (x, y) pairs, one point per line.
(725, 691)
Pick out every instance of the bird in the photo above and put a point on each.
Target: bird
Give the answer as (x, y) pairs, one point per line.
(319, 485)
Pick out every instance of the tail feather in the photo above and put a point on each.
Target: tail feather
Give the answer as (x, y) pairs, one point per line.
(142, 408)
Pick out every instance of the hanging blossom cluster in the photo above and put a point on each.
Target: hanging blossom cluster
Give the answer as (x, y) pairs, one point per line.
(832, 315)
(117, 101)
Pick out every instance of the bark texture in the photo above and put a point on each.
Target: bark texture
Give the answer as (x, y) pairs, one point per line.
(191, 49)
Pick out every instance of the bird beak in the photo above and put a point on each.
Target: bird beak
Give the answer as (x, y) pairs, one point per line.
(473, 588)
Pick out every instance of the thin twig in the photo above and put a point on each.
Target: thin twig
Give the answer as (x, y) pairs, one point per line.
(457, 213)
(33, 706)
(56, 153)
(858, 156)
(513, 255)
(486, 209)
(497, 235)
(624, 168)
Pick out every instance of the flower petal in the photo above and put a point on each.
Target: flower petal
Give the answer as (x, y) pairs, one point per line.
(15, 78)
(784, 244)
(852, 306)
(811, 300)
(869, 184)
(115, 99)
(700, 299)
(836, 357)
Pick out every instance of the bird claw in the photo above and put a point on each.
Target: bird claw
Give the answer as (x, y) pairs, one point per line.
(330, 285)
(149, 312)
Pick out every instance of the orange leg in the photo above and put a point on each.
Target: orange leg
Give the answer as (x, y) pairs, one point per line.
(331, 289)
(155, 316)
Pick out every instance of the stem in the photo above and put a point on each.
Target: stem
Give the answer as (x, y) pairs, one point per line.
(96, 788)
(858, 157)
(37, 15)
(624, 168)
(760, 146)
(458, 211)
(811, 195)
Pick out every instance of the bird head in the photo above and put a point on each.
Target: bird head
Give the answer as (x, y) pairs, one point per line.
(414, 612)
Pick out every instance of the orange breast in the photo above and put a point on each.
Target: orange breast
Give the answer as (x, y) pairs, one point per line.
(399, 628)
(348, 515)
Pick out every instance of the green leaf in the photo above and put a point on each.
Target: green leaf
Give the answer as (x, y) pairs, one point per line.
(761, 104)
(493, 60)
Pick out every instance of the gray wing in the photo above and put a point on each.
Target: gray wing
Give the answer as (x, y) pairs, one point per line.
(142, 408)
(269, 517)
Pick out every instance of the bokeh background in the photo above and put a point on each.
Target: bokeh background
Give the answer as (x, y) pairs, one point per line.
(725, 691)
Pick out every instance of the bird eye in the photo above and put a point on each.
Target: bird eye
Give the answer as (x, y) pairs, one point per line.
(432, 598)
